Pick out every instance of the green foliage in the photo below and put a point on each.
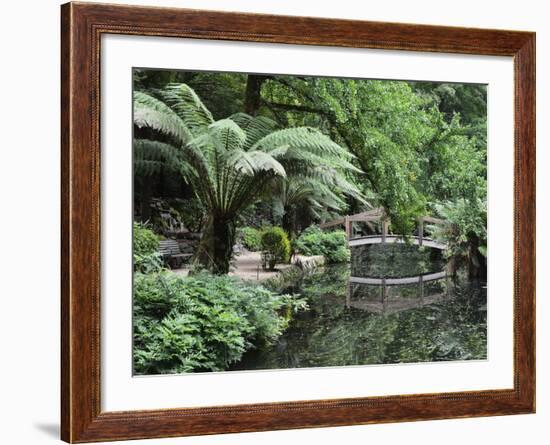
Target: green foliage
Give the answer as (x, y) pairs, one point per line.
(467, 225)
(146, 241)
(203, 322)
(231, 162)
(416, 142)
(315, 147)
(310, 242)
(251, 238)
(332, 245)
(336, 249)
(275, 245)
(146, 257)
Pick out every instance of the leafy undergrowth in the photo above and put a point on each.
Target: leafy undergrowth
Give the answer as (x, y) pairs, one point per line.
(202, 322)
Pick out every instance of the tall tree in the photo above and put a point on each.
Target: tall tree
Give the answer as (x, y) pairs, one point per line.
(253, 94)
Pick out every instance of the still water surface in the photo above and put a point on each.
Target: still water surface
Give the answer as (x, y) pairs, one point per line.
(363, 314)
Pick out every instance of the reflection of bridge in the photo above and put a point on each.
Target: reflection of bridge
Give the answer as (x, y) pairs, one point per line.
(379, 215)
(386, 304)
(418, 279)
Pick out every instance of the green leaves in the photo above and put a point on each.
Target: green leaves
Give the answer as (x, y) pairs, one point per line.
(227, 135)
(151, 156)
(255, 127)
(466, 228)
(188, 106)
(275, 243)
(153, 113)
(332, 245)
(201, 323)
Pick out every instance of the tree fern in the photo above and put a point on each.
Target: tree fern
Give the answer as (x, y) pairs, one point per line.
(230, 163)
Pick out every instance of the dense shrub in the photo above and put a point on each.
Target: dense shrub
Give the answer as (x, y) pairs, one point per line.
(251, 238)
(203, 322)
(336, 249)
(146, 256)
(275, 245)
(310, 242)
(332, 245)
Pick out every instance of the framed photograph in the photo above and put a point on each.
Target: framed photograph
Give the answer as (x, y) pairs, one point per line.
(274, 222)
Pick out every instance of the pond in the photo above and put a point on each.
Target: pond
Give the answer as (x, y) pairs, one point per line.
(392, 304)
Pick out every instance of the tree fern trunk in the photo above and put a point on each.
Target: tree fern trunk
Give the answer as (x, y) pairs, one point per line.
(289, 222)
(216, 246)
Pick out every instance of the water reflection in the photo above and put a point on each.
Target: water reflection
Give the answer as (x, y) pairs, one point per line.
(395, 304)
(396, 295)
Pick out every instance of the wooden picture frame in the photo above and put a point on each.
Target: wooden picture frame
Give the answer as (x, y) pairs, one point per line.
(82, 26)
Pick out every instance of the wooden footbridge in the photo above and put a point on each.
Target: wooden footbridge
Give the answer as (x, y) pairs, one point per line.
(380, 215)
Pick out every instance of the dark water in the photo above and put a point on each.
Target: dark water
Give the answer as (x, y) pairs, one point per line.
(353, 323)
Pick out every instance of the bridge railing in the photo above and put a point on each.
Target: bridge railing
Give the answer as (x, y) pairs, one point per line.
(379, 214)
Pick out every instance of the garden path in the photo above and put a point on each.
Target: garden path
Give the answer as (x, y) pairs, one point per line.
(247, 266)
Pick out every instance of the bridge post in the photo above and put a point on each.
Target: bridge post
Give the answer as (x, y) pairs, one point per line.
(347, 225)
(384, 292)
(384, 230)
(420, 230)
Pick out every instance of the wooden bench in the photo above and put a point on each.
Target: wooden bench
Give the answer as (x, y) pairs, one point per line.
(171, 253)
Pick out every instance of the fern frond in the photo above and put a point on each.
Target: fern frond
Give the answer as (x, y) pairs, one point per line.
(151, 112)
(187, 105)
(303, 138)
(256, 128)
(252, 162)
(228, 134)
(151, 156)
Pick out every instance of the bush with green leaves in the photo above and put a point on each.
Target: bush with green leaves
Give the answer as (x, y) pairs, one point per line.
(275, 246)
(251, 238)
(202, 322)
(146, 256)
(332, 245)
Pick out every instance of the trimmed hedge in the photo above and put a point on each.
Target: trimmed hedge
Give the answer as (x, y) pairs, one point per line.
(275, 245)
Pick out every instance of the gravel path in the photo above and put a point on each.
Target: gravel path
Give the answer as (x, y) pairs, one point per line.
(247, 265)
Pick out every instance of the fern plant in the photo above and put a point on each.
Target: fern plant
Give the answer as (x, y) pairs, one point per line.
(231, 162)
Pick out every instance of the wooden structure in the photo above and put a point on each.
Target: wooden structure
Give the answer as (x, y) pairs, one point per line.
(171, 253)
(380, 215)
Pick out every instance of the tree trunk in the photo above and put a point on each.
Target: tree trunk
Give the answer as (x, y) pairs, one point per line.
(216, 246)
(146, 195)
(477, 265)
(289, 222)
(253, 98)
